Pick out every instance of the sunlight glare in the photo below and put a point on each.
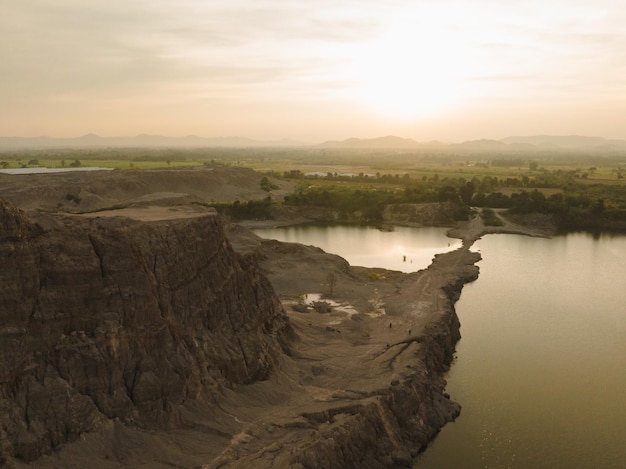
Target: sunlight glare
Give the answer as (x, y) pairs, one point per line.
(413, 69)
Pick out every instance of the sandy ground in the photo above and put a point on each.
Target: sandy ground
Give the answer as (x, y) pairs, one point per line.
(474, 228)
(351, 353)
(154, 213)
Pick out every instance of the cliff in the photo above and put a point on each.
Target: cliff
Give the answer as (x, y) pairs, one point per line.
(112, 318)
(149, 337)
(367, 373)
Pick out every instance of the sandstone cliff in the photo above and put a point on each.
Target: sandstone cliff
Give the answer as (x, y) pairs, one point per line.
(117, 319)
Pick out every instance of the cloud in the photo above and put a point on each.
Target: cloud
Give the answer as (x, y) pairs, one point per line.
(73, 47)
(272, 52)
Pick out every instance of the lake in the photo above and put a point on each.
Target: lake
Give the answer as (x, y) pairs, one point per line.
(404, 249)
(540, 371)
(541, 367)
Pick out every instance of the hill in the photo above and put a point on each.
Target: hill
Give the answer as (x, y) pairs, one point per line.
(138, 141)
(570, 142)
(389, 141)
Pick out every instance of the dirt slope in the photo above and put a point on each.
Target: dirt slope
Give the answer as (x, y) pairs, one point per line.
(97, 190)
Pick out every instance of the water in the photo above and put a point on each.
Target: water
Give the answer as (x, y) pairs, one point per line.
(404, 249)
(541, 368)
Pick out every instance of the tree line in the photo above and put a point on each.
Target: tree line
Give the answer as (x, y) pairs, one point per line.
(572, 204)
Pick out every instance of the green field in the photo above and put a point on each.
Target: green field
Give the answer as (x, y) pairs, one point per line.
(585, 168)
(578, 190)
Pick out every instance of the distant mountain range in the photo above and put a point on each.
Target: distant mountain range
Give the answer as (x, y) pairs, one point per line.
(379, 142)
(538, 143)
(509, 144)
(569, 141)
(139, 141)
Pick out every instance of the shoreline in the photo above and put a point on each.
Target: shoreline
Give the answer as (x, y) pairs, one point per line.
(468, 231)
(360, 385)
(415, 339)
(379, 369)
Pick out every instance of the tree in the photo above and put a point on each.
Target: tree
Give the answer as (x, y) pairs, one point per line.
(267, 185)
(466, 192)
(598, 207)
(4, 164)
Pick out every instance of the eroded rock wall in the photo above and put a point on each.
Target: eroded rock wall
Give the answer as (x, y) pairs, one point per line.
(399, 422)
(115, 318)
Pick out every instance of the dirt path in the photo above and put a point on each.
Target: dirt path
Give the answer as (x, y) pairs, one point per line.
(475, 228)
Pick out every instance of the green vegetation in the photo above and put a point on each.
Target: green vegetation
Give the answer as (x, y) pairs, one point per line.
(250, 210)
(266, 185)
(360, 199)
(118, 158)
(573, 201)
(73, 198)
(577, 207)
(578, 190)
(490, 218)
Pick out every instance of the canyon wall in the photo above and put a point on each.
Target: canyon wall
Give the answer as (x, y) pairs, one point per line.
(111, 318)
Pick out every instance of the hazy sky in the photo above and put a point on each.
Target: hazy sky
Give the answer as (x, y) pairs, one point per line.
(313, 70)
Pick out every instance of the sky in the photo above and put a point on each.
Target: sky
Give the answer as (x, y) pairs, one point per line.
(311, 71)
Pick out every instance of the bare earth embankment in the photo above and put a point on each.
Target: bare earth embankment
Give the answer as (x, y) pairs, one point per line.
(361, 385)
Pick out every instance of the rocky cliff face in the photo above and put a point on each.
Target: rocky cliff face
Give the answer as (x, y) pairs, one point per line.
(114, 318)
(393, 428)
(370, 392)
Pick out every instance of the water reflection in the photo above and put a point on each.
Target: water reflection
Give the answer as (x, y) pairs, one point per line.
(540, 366)
(404, 249)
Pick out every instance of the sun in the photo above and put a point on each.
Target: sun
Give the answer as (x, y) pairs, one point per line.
(412, 71)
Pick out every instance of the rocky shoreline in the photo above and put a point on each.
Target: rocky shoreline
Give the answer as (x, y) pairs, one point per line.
(374, 395)
(401, 334)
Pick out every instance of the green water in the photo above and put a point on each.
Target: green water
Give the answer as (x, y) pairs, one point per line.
(541, 367)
